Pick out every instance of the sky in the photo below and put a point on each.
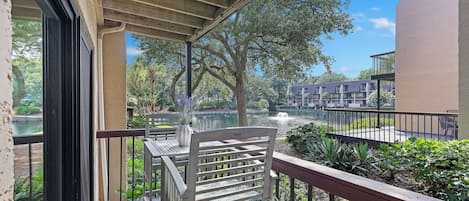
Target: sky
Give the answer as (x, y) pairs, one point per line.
(374, 33)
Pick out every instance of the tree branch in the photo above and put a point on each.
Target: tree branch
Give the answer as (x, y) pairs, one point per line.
(222, 79)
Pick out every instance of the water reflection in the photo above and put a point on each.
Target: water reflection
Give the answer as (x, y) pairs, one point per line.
(282, 122)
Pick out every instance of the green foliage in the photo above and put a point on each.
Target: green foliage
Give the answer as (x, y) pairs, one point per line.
(371, 122)
(27, 110)
(262, 104)
(301, 137)
(365, 74)
(21, 188)
(353, 158)
(212, 105)
(439, 169)
(27, 63)
(331, 77)
(137, 121)
(147, 86)
(386, 98)
(443, 167)
(260, 87)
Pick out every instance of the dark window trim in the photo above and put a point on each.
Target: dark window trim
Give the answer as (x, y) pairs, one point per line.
(61, 42)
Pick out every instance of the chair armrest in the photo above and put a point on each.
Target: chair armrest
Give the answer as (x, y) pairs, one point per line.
(171, 175)
(273, 175)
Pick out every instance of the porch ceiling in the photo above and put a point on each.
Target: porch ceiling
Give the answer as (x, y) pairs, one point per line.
(180, 20)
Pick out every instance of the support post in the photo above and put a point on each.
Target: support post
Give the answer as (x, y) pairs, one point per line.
(378, 101)
(189, 69)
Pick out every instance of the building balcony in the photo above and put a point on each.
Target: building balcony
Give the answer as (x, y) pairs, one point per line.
(384, 66)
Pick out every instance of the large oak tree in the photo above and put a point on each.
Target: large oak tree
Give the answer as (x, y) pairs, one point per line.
(279, 37)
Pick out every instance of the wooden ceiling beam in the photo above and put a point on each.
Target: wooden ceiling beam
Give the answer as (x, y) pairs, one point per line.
(187, 7)
(130, 7)
(218, 3)
(31, 4)
(138, 30)
(219, 19)
(147, 22)
(26, 13)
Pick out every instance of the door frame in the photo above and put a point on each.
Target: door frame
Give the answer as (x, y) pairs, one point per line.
(61, 63)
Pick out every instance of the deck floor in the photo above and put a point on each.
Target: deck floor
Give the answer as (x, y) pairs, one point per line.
(22, 159)
(389, 134)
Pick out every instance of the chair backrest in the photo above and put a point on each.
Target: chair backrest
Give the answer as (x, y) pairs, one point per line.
(233, 164)
(161, 126)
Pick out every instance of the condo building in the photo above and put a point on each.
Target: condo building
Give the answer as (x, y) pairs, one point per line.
(349, 94)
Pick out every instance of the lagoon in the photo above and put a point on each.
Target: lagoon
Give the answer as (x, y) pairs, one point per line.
(208, 121)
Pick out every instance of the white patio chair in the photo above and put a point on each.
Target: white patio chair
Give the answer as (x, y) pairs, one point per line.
(238, 169)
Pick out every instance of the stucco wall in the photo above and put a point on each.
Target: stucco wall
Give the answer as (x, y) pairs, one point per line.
(464, 69)
(6, 141)
(114, 72)
(427, 55)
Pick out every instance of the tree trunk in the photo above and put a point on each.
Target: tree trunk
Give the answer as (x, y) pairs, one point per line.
(21, 89)
(6, 84)
(241, 100)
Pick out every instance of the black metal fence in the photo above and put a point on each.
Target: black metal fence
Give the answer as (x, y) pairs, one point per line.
(391, 126)
(26, 186)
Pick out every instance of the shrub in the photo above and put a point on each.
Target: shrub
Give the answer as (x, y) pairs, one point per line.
(371, 122)
(300, 137)
(27, 110)
(137, 121)
(353, 158)
(21, 189)
(262, 104)
(211, 105)
(442, 167)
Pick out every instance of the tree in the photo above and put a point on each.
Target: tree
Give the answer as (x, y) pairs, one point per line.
(211, 89)
(281, 87)
(260, 88)
(281, 37)
(27, 65)
(331, 77)
(365, 74)
(386, 97)
(146, 84)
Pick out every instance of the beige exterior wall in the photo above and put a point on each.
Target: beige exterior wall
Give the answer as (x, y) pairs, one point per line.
(6, 86)
(427, 55)
(114, 72)
(464, 69)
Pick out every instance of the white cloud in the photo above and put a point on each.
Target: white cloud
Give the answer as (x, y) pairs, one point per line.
(376, 9)
(384, 23)
(134, 51)
(358, 16)
(345, 69)
(358, 28)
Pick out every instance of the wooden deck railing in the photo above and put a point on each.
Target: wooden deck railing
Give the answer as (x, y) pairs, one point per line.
(339, 183)
(334, 182)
